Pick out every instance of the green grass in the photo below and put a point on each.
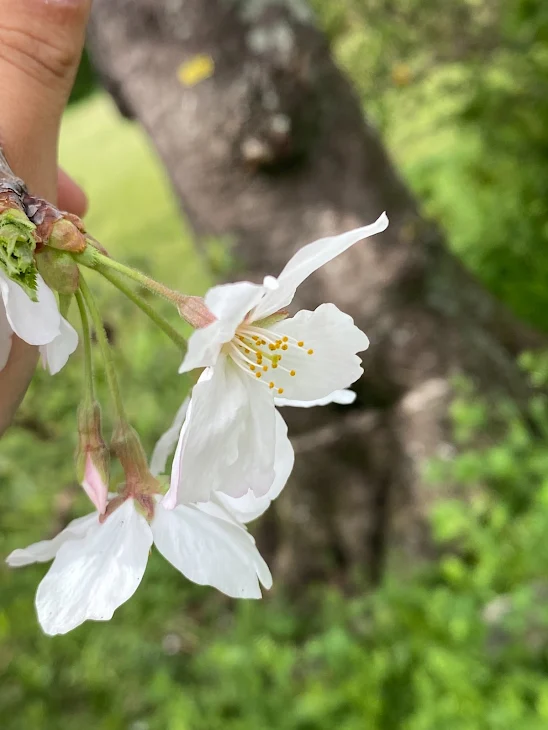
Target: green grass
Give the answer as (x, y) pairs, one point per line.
(133, 211)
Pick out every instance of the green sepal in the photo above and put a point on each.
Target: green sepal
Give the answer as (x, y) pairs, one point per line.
(271, 319)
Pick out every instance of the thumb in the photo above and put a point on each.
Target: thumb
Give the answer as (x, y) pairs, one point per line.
(41, 43)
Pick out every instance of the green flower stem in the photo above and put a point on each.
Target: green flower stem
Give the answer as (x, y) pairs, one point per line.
(102, 261)
(89, 394)
(106, 352)
(117, 281)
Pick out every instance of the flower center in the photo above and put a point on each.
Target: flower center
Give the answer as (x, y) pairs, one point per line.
(265, 355)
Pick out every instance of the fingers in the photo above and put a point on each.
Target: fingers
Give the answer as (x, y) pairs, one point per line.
(70, 195)
(41, 43)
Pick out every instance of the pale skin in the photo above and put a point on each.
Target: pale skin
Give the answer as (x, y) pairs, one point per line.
(41, 43)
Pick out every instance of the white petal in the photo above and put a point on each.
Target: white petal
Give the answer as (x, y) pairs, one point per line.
(230, 303)
(341, 397)
(90, 578)
(56, 353)
(5, 336)
(208, 438)
(41, 552)
(327, 360)
(227, 441)
(167, 441)
(249, 507)
(34, 322)
(210, 551)
(307, 260)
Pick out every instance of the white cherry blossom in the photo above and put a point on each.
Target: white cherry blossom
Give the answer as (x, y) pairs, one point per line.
(38, 323)
(255, 358)
(248, 506)
(98, 565)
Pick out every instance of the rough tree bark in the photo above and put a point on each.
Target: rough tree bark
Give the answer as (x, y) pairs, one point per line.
(272, 150)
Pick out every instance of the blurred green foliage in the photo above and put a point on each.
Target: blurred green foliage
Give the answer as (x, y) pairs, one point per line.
(460, 94)
(462, 644)
(85, 82)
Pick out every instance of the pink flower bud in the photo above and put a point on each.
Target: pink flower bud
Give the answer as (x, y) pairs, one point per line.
(195, 311)
(92, 456)
(94, 486)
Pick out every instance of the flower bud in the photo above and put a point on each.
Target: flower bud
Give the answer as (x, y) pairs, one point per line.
(17, 246)
(127, 446)
(59, 270)
(88, 257)
(65, 235)
(92, 456)
(195, 311)
(139, 481)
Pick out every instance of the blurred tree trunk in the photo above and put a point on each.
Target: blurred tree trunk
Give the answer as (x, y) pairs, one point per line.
(272, 151)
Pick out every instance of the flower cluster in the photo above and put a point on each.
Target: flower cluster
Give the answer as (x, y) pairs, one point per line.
(232, 452)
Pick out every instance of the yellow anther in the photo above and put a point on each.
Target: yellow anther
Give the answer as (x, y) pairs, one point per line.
(274, 365)
(284, 347)
(252, 367)
(271, 385)
(285, 339)
(258, 375)
(271, 347)
(254, 337)
(263, 342)
(246, 351)
(280, 390)
(265, 368)
(301, 343)
(310, 352)
(292, 372)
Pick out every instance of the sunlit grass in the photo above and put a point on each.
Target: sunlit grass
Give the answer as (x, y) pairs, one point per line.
(133, 211)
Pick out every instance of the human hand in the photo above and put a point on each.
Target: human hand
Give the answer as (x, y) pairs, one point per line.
(41, 42)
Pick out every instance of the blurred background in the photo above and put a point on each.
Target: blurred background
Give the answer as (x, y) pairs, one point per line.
(410, 549)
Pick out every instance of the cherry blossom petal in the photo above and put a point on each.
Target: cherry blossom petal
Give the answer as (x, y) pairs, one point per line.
(230, 303)
(34, 322)
(227, 441)
(210, 551)
(167, 441)
(5, 336)
(56, 353)
(320, 356)
(41, 552)
(91, 578)
(307, 260)
(94, 485)
(249, 507)
(340, 397)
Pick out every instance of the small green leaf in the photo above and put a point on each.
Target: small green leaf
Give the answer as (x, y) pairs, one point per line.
(17, 246)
